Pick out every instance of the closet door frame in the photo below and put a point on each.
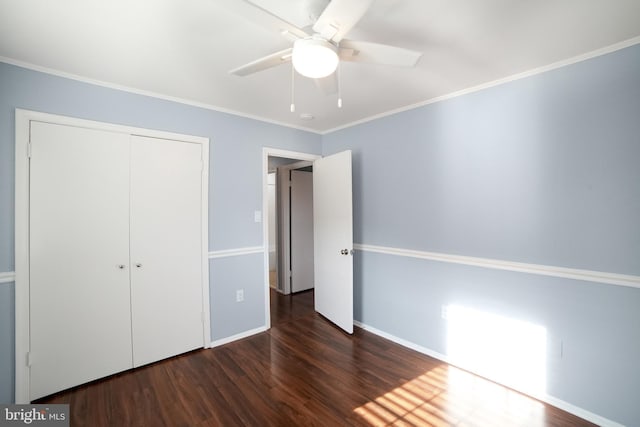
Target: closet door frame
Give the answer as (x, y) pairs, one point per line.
(23, 119)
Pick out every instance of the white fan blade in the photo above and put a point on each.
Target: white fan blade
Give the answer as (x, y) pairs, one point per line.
(252, 12)
(263, 63)
(327, 85)
(358, 51)
(339, 17)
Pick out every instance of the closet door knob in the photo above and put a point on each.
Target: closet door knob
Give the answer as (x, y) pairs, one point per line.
(121, 266)
(138, 265)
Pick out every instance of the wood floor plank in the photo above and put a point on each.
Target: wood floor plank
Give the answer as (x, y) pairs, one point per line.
(303, 372)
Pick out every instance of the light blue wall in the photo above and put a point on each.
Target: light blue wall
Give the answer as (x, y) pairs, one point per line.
(542, 170)
(235, 185)
(246, 273)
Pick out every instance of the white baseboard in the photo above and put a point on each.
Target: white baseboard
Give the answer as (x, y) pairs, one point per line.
(579, 412)
(237, 337)
(553, 401)
(402, 342)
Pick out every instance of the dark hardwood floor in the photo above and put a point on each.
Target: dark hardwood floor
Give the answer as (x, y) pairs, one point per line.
(304, 372)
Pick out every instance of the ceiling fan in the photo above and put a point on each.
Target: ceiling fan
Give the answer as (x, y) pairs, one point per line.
(318, 49)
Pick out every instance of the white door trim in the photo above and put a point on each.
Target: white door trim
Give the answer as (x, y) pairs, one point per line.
(266, 153)
(22, 126)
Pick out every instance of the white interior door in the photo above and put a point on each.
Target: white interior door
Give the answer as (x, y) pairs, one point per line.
(333, 238)
(166, 248)
(80, 324)
(301, 217)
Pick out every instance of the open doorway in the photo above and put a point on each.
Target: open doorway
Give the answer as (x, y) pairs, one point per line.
(292, 221)
(288, 225)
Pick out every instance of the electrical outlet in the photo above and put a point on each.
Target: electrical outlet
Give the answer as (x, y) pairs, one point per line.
(240, 295)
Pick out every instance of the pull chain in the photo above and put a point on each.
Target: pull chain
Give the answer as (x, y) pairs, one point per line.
(339, 81)
(293, 77)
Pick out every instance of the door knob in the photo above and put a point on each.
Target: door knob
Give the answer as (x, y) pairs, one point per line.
(121, 266)
(138, 265)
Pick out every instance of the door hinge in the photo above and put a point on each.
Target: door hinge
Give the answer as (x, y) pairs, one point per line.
(29, 150)
(29, 359)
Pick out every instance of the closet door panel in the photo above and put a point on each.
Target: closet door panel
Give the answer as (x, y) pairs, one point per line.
(166, 248)
(80, 324)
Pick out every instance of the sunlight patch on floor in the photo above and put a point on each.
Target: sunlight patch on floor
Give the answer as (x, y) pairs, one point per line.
(448, 396)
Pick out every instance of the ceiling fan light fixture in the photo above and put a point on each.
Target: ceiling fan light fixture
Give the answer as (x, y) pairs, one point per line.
(314, 57)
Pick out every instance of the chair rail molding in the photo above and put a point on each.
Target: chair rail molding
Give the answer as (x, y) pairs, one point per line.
(236, 252)
(521, 267)
(7, 277)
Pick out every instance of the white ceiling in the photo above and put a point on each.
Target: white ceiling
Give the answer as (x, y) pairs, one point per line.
(184, 49)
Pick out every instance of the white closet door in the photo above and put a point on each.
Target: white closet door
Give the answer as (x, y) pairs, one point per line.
(166, 248)
(79, 256)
